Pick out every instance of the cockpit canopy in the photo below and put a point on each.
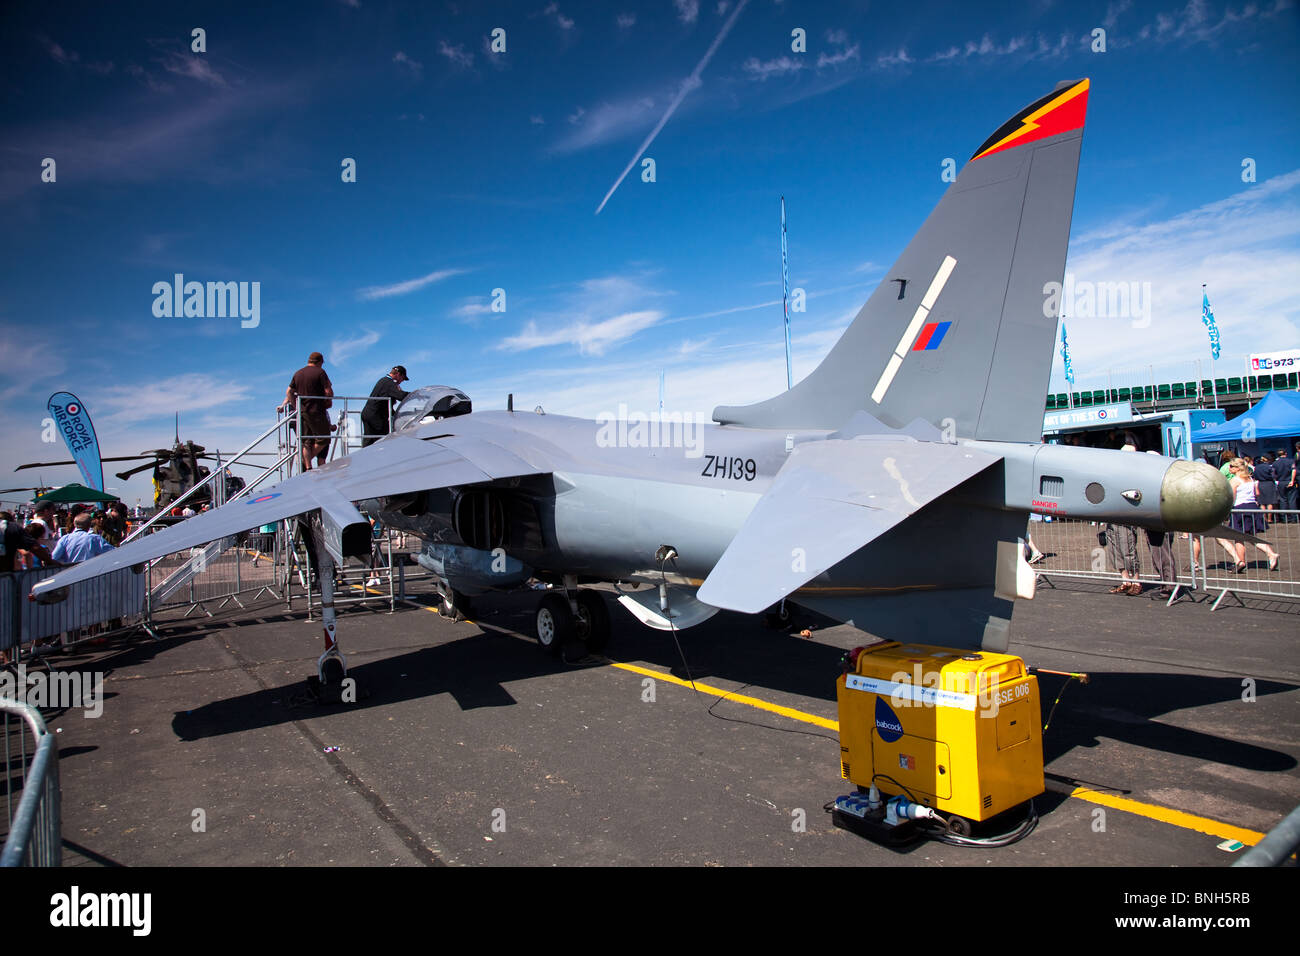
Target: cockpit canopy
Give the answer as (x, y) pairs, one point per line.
(431, 402)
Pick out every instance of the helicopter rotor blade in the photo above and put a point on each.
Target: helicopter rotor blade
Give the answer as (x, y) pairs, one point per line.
(124, 475)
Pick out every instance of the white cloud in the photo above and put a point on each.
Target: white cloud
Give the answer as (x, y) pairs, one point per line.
(693, 82)
(61, 55)
(886, 60)
(343, 349)
(626, 21)
(128, 403)
(1194, 24)
(595, 315)
(536, 120)
(194, 68)
(688, 11)
(765, 69)
(1113, 10)
(591, 338)
(71, 58)
(410, 285)
(698, 375)
(563, 22)
(471, 309)
(456, 55)
(839, 56)
(1246, 248)
(837, 37)
(414, 66)
(605, 123)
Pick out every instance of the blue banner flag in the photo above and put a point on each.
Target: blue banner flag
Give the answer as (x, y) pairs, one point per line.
(1065, 356)
(1208, 318)
(785, 299)
(74, 425)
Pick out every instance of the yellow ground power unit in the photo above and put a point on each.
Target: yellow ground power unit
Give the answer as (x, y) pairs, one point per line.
(957, 731)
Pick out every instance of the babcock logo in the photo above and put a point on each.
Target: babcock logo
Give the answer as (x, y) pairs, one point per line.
(887, 722)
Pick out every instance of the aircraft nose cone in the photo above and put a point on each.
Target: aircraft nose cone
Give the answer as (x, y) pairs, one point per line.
(1194, 497)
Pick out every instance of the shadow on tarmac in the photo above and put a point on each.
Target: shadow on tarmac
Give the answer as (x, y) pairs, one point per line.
(1125, 707)
(737, 648)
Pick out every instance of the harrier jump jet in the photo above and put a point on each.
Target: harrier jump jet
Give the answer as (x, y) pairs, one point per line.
(890, 488)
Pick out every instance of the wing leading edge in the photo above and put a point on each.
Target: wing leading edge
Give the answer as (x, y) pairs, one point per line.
(397, 465)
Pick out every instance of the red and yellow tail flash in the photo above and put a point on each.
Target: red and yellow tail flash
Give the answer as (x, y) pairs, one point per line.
(1060, 114)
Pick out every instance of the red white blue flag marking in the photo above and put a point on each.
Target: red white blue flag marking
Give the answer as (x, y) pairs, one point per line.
(931, 336)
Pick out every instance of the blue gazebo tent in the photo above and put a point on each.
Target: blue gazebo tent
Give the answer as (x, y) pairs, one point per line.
(1277, 415)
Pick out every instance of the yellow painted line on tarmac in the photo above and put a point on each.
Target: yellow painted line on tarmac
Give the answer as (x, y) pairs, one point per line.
(1188, 821)
(738, 698)
(1177, 818)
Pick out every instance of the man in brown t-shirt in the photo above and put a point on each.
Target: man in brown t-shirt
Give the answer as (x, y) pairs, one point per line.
(312, 385)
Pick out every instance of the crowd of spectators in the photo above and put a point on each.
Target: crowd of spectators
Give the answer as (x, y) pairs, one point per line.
(42, 535)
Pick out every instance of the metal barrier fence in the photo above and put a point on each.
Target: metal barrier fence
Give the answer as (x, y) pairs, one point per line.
(1204, 562)
(221, 572)
(384, 578)
(33, 835)
(117, 598)
(1271, 568)
(1279, 846)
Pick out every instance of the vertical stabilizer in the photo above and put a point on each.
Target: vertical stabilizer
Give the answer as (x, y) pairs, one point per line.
(968, 335)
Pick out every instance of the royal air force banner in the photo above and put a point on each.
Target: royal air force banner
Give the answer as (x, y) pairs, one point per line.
(73, 423)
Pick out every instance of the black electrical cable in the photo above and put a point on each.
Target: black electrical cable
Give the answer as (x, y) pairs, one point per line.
(755, 723)
(883, 776)
(739, 720)
(1006, 839)
(1059, 695)
(673, 627)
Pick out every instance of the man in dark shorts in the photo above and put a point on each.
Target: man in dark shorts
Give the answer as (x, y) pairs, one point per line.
(312, 385)
(375, 416)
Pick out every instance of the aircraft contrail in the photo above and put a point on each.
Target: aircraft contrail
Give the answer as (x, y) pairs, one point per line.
(690, 83)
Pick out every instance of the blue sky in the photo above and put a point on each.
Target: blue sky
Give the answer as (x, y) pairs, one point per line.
(479, 171)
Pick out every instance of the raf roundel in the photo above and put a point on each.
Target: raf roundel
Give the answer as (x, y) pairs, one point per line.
(258, 501)
(73, 408)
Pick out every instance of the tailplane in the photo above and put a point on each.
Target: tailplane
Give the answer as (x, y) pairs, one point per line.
(964, 326)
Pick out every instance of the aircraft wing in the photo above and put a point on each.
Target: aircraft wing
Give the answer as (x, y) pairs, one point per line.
(397, 465)
(830, 499)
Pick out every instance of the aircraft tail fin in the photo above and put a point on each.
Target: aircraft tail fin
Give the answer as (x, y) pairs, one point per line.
(962, 329)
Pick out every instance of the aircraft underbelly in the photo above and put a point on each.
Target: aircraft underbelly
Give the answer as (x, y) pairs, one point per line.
(612, 527)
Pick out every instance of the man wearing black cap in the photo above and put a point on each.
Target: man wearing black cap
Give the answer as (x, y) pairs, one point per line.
(375, 416)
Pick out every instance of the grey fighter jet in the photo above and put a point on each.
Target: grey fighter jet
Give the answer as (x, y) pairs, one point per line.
(890, 488)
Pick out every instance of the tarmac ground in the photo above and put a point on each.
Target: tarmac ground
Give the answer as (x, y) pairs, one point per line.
(468, 745)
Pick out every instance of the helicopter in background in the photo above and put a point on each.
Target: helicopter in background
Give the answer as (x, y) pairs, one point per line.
(175, 471)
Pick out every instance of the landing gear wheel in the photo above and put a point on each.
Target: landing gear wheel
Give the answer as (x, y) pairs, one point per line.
(959, 826)
(455, 606)
(554, 623)
(592, 622)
